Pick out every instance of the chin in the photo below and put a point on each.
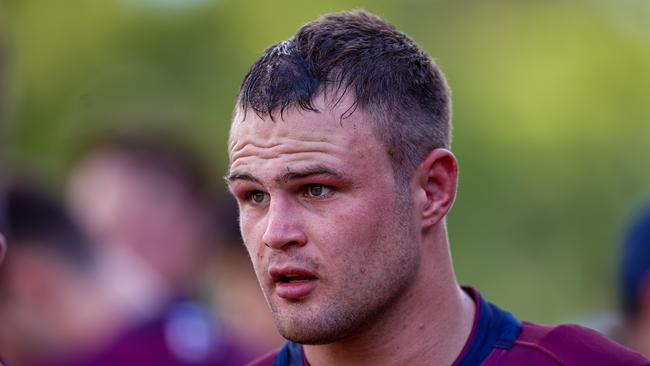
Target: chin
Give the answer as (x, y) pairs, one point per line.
(317, 330)
(304, 336)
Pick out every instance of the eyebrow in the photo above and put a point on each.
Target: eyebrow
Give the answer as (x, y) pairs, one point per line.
(309, 171)
(241, 176)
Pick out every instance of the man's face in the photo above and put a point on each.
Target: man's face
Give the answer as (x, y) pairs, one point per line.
(122, 205)
(333, 241)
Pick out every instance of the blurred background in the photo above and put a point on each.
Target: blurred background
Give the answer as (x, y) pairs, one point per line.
(551, 121)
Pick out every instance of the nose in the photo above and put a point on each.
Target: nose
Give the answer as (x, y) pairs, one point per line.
(283, 226)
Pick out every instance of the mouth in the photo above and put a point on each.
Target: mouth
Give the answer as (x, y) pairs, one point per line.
(293, 283)
(293, 278)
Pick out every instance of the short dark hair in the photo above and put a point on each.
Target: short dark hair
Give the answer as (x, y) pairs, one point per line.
(31, 218)
(392, 80)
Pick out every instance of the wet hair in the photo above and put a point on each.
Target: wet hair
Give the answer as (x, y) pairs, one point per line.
(31, 218)
(389, 76)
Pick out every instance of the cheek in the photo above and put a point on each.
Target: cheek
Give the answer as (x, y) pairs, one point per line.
(251, 236)
(246, 227)
(357, 235)
(388, 223)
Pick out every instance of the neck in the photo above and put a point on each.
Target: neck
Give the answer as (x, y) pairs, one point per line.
(428, 325)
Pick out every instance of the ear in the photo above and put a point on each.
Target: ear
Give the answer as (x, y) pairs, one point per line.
(436, 180)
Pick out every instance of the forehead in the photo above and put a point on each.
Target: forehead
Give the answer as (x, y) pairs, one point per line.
(331, 131)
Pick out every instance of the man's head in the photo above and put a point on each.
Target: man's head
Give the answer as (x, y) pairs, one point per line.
(386, 73)
(49, 255)
(145, 195)
(339, 164)
(37, 226)
(35, 221)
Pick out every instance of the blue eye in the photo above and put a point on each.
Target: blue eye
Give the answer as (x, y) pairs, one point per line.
(317, 190)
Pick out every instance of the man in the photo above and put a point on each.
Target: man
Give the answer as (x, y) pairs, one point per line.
(340, 162)
(49, 293)
(146, 205)
(634, 286)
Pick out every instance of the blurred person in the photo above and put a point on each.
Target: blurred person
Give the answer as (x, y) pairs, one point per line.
(146, 205)
(50, 301)
(634, 283)
(340, 162)
(237, 291)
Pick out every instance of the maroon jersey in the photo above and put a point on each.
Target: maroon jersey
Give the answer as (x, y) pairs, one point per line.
(499, 339)
(182, 335)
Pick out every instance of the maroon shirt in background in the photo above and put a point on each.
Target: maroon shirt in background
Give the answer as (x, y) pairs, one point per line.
(152, 343)
(499, 339)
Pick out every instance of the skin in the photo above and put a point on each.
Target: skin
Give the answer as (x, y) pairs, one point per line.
(120, 204)
(3, 247)
(54, 305)
(319, 193)
(637, 331)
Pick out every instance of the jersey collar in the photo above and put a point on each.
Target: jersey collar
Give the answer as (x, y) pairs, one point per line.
(493, 328)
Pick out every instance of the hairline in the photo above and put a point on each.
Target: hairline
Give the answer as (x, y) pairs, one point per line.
(379, 125)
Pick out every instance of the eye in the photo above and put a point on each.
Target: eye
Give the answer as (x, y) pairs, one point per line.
(317, 190)
(257, 196)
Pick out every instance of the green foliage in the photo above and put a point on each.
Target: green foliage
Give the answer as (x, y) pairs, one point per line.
(551, 110)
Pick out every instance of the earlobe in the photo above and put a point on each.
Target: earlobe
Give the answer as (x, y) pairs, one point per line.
(438, 175)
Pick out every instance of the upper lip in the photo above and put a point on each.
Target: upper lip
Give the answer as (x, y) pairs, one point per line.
(281, 274)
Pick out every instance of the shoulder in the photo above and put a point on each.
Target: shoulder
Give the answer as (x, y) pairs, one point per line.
(266, 360)
(568, 345)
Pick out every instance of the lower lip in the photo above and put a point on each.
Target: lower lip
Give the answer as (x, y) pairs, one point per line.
(294, 290)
